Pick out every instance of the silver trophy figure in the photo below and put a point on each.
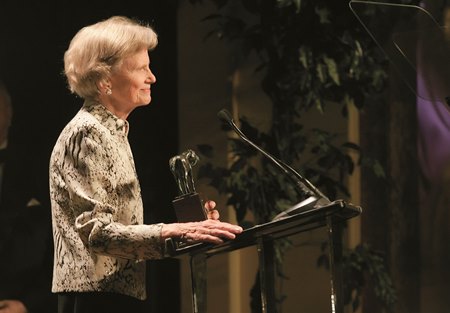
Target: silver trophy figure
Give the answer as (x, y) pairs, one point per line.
(188, 205)
(181, 167)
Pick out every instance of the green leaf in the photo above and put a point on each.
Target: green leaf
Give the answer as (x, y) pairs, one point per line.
(304, 56)
(286, 3)
(297, 3)
(323, 14)
(379, 78)
(351, 145)
(359, 51)
(319, 104)
(332, 69)
(378, 169)
(320, 72)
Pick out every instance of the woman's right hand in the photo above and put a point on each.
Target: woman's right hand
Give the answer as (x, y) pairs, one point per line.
(212, 231)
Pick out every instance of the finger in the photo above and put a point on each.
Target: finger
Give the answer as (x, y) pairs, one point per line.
(203, 233)
(224, 232)
(213, 215)
(216, 236)
(211, 212)
(210, 205)
(211, 223)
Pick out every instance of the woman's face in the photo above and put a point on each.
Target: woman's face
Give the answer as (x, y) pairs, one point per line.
(131, 82)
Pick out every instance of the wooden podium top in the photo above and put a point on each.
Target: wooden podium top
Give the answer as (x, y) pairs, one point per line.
(335, 212)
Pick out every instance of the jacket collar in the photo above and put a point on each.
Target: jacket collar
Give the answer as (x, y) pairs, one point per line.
(106, 118)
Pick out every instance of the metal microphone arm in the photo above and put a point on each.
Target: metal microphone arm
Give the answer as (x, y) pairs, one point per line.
(305, 185)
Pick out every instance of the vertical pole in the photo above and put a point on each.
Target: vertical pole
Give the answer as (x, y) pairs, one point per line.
(267, 274)
(199, 283)
(335, 259)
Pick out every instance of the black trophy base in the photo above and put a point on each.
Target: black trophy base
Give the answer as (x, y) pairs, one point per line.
(189, 208)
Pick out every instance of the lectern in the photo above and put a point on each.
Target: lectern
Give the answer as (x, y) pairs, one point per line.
(262, 236)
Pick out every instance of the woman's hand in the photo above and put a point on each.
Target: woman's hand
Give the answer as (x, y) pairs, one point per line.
(210, 230)
(211, 212)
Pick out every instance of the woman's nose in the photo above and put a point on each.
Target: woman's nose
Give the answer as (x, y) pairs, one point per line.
(151, 77)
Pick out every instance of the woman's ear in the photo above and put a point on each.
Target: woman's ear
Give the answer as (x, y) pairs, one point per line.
(104, 86)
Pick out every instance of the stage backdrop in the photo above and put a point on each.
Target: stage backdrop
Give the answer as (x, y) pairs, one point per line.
(33, 38)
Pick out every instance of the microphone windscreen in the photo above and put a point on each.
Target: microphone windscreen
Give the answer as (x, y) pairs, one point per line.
(225, 116)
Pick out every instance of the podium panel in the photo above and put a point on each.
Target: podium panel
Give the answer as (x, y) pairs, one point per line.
(331, 216)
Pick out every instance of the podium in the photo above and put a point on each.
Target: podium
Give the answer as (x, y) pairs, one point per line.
(262, 236)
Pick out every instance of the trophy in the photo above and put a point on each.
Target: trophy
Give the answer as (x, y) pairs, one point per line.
(188, 205)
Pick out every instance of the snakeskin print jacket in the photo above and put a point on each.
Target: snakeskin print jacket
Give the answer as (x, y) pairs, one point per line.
(97, 213)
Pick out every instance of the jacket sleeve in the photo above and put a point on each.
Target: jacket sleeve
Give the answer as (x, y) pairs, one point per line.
(104, 204)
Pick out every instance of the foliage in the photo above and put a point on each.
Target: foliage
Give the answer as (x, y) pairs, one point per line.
(313, 54)
(359, 266)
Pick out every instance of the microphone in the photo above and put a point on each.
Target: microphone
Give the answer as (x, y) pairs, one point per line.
(315, 197)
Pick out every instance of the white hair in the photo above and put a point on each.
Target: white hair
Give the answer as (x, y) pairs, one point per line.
(96, 49)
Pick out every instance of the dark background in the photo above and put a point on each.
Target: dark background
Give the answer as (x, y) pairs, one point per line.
(33, 38)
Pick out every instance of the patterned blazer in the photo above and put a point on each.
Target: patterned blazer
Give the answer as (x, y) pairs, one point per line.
(97, 213)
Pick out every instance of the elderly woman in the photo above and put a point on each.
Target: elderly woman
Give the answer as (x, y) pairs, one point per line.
(99, 236)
